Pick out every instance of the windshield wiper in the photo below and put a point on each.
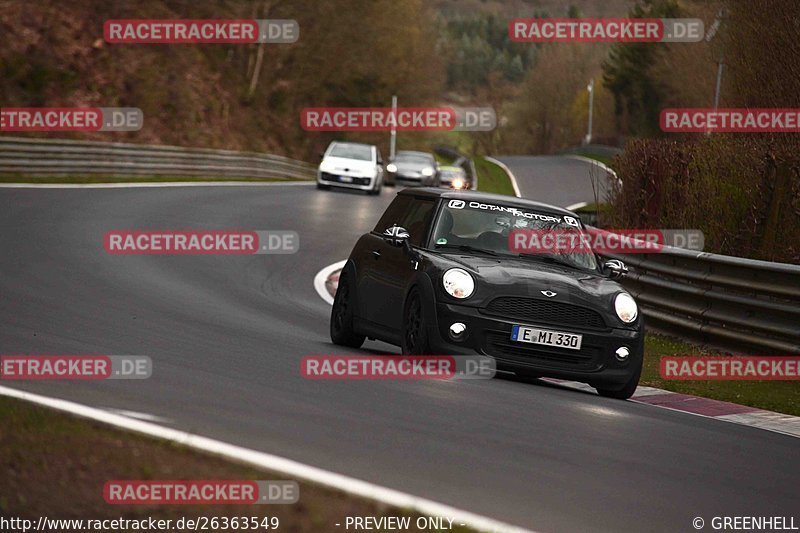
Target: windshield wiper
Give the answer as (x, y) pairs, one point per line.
(466, 248)
(551, 259)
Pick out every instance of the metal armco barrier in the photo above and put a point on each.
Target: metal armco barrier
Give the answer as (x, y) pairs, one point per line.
(728, 300)
(46, 157)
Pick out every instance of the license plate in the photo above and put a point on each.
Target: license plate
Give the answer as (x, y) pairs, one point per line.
(559, 339)
(346, 179)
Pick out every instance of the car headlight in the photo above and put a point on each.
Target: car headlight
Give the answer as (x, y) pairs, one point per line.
(458, 183)
(626, 308)
(391, 167)
(458, 283)
(427, 171)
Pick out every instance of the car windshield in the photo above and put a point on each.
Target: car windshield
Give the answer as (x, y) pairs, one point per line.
(452, 173)
(484, 226)
(361, 152)
(420, 159)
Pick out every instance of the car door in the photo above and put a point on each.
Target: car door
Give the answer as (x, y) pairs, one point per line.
(393, 269)
(373, 258)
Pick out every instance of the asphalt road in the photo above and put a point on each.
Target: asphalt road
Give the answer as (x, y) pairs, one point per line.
(557, 180)
(226, 334)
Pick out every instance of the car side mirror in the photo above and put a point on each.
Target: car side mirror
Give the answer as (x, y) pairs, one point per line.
(615, 268)
(380, 162)
(322, 155)
(396, 236)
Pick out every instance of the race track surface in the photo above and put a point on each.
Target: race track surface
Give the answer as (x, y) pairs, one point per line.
(226, 334)
(557, 180)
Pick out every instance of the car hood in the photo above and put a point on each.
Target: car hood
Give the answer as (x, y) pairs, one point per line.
(529, 277)
(341, 164)
(410, 167)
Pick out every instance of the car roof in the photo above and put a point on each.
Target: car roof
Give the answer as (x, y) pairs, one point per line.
(357, 144)
(476, 196)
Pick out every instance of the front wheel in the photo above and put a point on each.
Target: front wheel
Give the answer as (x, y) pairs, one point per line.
(342, 332)
(415, 334)
(323, 187)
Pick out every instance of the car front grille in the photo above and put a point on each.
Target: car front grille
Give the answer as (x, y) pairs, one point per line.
(499, 345)
(327, 176)
(545, 312)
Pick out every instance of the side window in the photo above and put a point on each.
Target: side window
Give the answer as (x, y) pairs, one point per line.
(417, 219)
(394, 214)
(414, 214)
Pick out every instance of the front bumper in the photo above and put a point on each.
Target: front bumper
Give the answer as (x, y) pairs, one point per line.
(449, 184)
(414, 179)
(358, 182)
(595, 363)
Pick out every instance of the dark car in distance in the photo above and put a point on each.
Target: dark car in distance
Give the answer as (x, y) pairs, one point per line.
(413, 168)
(437, 276)
(454, 178)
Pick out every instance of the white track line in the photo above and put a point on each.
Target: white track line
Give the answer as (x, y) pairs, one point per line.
(138, 416)
(133, 185)
(322, 277)
(594, 162)
(597, 163)
(287, 467)
(507, 171)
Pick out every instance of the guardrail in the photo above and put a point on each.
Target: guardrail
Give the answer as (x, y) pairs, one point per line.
(722, 299)
(49, 157)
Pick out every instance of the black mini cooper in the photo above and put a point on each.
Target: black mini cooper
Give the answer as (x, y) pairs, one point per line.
(437, 276)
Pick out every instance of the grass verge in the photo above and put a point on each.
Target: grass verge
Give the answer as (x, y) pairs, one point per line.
(780, 396)
(492, 178)
(55, 465)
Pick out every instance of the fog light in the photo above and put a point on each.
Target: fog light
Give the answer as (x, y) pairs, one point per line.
(622, 353)
(458, 331)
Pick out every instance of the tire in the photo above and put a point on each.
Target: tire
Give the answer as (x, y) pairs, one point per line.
(414, 333)
(376, 191)
(323, 187)
(341, 327)
(626, 391)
